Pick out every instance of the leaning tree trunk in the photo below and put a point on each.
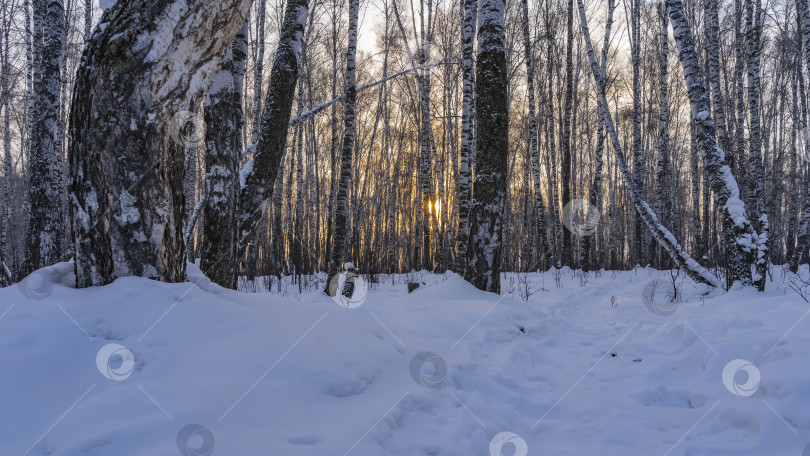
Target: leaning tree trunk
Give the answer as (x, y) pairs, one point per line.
(147, 64)
(595, 193)
(223, 143)
(46, 226)
(259, 183)
(739, 234)
(492, 146)
(661, 234)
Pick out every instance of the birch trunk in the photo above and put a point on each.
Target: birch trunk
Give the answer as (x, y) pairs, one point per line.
(261, 179)
(258, 69)
(665, 238)
(223, 143)
(663, 206)
(756, 179)
(712, 25)
(638, 157)
(595, 192)
(492, 147)
(46, 226)
(738, 231)
(145, 65)
(534, 151)
(339, 247)
(467, 138)
(565, 141)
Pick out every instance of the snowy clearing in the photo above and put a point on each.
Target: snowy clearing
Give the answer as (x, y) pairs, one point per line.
(582, 369)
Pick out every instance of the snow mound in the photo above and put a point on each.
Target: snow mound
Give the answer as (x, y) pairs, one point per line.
(140, 367)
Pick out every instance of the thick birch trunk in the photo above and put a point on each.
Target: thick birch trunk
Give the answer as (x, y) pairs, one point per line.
(223, 143)
(146, 64)
(46, 226)
(492, 147)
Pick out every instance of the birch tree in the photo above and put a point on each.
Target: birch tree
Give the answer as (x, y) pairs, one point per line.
(803, 235)
(46, 225)
(8, 237)
(223, 143)
(756, 180)
(145, 64)
(738, 231)
(467, 152)
(258, 68)
(712, 26)
(339, 247)
(565, 140)
(638, 157)
(664, 237)
(663, 202)
(595, 192)
(260, 173)
(492, 146)
(534, 149)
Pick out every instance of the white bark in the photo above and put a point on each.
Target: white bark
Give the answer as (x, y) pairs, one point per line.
(664, 237)
(126, 192)
(739, 234)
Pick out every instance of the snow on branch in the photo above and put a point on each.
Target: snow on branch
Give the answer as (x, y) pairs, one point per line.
(307, 114)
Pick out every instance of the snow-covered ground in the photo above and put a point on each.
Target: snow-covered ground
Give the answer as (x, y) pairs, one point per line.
(582, 369)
